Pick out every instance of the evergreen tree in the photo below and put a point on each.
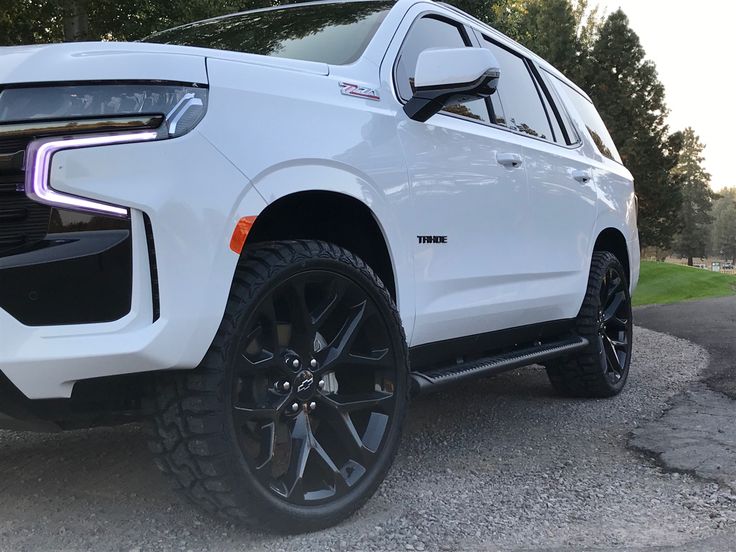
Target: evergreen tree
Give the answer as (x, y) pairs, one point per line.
(587, 22)
(504, 15)
(723, 229)
(697, 197)
(30, 22)
(549, 28)
(630, 98)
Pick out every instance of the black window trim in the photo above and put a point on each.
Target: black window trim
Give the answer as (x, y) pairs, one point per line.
(555, 100)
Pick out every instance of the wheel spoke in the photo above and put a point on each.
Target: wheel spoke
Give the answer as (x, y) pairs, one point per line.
(251, 413)
(379, 358)
(268, 441)
(375, 401)
(254, 360)
(344, 429)
(611, 356)
(301, 446)
(338, 350)
(613, 305)
(337, 292)
(618, 322)
(339, 480)
(302, 316)
(615, 283)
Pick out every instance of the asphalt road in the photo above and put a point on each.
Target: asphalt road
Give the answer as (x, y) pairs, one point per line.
(710, 323)
(498, 464)
(697, 434)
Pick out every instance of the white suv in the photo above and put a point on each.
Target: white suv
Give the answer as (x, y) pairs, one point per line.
(280, 225)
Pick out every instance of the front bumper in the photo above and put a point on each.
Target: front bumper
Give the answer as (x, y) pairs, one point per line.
(193, 198)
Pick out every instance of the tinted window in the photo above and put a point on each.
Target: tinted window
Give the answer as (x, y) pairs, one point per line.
(518, 93)
(426, 33)
(593, 122)
(331, 33)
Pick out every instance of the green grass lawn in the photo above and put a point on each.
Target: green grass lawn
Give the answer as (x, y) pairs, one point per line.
(669, 283)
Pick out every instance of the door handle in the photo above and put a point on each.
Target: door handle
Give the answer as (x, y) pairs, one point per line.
(511, 160)
(582, 176)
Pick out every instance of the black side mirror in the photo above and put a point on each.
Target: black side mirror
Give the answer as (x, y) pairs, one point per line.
(453, 75)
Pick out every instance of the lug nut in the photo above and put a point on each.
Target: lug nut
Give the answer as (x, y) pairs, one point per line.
(321, 384)
(286, 386)
(313, 363)
(312, 405)
(296, 363)
(295, 407)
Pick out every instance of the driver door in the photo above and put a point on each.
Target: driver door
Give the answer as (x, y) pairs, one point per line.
(469, 205)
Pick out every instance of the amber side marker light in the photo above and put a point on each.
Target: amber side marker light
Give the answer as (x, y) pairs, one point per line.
(240, 234)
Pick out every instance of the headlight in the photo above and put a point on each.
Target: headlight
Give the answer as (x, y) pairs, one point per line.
(51, 119)
(182, 106)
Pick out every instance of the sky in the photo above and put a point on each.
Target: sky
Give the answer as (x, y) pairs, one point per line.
(693, 44)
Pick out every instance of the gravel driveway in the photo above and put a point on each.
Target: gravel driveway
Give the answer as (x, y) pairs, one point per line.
(498, 464)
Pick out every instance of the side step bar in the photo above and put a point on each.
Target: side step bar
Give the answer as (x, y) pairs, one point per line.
(439, 378)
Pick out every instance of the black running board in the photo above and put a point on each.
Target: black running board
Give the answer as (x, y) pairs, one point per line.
(439, 378)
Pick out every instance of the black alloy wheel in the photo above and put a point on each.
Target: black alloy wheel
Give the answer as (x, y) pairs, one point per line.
(294, 416)
(615, 327)
(605, 320)
(314, 387)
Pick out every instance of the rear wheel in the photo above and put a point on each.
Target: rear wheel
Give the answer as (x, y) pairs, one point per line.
(605, 319)
(294, 417)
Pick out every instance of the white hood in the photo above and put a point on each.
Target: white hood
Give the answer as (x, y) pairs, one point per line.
(85, 61)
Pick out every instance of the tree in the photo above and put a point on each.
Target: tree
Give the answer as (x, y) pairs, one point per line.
(697, 197)
(549, 28)
(40, 21)
(630, 98)
(29, 22)
(504, 15)
(588, 21)
(723, 229)
(76, 20)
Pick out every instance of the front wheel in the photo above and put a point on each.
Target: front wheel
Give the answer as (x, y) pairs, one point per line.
(605, 320)
(294, 417)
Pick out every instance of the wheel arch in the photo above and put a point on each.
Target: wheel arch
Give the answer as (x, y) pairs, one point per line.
(333, 217)
(613, 241)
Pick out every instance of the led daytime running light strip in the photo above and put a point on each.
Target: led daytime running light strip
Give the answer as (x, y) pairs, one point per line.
(38, 171)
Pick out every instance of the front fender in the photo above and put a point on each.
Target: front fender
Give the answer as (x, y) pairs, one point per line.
(329, 176)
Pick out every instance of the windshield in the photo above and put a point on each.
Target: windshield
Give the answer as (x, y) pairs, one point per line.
(330, 33)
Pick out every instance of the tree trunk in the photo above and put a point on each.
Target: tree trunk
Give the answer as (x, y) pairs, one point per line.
(76, 20)
(689, 260)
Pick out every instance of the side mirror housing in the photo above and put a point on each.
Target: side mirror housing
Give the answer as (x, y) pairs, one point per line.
(451, 75)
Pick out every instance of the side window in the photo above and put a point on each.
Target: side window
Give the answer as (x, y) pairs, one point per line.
(430, 32)
(593, 122)
(522, 105)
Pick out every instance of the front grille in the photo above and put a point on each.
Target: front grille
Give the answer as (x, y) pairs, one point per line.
(22, 221)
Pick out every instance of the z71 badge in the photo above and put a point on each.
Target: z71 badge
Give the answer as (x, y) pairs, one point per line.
(357, 91)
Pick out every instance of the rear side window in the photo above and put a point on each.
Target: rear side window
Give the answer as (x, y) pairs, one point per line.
(430, 32)
(518, 93)
(593, 122)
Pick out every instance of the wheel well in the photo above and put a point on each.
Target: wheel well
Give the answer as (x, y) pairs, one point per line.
(613, 241)
(331, 217)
